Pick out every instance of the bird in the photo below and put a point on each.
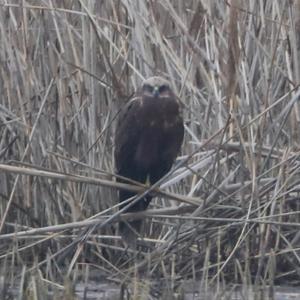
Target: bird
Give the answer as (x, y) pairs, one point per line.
(148, 137)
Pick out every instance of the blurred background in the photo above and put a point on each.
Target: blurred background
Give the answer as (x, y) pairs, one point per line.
(68, 67)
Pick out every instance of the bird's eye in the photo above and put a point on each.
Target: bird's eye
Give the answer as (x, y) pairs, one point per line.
(163, 88)
(147, 88)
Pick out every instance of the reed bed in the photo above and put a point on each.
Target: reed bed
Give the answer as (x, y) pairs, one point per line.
(228, 212)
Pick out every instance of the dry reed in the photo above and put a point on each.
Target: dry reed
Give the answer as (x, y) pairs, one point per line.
(229, 210)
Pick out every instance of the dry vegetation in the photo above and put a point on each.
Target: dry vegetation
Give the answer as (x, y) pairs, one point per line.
(228, 212)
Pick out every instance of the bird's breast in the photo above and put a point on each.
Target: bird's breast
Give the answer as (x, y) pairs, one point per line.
(147, 148)
(155, 137)
(158, 121)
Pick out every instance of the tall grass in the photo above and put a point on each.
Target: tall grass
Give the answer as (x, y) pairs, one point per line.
(229, 211)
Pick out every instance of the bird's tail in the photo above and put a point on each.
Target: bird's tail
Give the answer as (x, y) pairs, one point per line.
(130, 231)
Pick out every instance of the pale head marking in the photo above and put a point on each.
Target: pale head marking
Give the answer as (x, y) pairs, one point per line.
(155, 82)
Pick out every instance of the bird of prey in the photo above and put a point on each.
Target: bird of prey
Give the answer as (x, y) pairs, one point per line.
(148, 137)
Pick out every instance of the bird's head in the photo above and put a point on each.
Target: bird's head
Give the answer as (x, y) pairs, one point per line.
(156, 87)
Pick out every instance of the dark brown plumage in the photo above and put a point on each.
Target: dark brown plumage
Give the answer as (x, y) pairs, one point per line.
(148, 138)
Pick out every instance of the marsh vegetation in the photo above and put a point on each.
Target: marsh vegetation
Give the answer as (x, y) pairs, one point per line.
(228, 212)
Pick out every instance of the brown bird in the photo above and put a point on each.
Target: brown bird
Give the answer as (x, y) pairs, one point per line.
(148, 138)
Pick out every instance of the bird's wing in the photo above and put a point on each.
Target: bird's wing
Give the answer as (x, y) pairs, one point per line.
(127, 135)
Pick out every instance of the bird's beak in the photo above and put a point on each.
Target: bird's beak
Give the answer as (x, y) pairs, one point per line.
(155, 91)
